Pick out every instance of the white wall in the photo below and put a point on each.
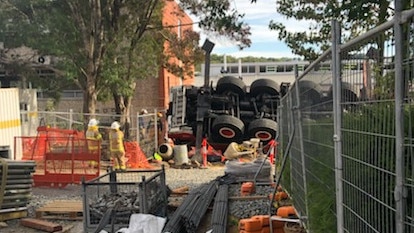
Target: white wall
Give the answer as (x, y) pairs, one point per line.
(9, 119)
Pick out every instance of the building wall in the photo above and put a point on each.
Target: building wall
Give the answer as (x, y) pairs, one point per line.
(179, 21)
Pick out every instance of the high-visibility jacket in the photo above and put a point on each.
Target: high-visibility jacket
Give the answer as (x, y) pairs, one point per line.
(116, 138)
(94, 137)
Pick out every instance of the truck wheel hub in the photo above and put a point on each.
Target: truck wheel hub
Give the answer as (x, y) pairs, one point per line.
(227, 132)
(263, 135)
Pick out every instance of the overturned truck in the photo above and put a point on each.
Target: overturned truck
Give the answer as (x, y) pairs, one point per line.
(227, 112)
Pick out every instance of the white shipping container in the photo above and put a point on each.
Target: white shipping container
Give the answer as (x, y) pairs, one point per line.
(9, 121)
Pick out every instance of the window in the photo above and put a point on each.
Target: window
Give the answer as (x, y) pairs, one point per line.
(233, 69)
(289, 68)
(252, 69)
(270, 69)
(280, 69)
(244, 69)
(262, 69)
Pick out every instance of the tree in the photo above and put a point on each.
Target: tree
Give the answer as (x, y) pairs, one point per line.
(356, 16)
(82, 35)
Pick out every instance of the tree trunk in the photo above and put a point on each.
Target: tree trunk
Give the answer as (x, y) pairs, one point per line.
(126, 116)
(90, 96)
(123, 110)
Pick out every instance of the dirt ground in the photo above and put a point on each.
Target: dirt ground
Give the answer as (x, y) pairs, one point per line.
(70, 192)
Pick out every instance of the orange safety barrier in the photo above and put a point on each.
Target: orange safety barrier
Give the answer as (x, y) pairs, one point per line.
(264, 219)
(250, 225)
(204, 151)
(286, 211)
(247, 188)
(135, 156)
(275, 230)
(272, 147)
(280, 195)
(260, 224)
(244, 231)
(62, 156)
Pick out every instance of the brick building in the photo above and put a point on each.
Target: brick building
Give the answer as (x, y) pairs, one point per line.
(154, 93)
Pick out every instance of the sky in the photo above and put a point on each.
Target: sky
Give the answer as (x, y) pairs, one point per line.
(265, 42)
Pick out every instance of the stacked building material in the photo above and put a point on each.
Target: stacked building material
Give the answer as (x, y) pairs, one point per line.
(220, 209)
(16, 179)
(189, 214)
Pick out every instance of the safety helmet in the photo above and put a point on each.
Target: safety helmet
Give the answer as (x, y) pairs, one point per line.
(144, 111)
(115, 125)
(93, 122)
(159, 114)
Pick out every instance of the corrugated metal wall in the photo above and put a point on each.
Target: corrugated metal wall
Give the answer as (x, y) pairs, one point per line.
(9, 119)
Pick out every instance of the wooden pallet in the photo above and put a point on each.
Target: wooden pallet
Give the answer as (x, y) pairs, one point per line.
(62, 210)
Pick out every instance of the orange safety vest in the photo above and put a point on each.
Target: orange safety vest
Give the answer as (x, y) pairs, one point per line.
(93, 137)
(116, 140)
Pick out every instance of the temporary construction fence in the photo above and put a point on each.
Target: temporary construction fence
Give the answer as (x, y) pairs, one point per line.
(347, 122)
(62, 156)
(147, 130)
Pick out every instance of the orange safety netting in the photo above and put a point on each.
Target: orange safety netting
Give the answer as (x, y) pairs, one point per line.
(34, 148)
(135, 156)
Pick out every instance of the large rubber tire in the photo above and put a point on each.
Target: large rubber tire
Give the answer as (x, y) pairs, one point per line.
(227, 129)
(349, 92)
(310, 93)
(264, 129)
(264, 86)
(231, 84)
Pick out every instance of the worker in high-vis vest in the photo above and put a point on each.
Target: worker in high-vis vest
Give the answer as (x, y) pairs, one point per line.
(116, 147)
(93, 136)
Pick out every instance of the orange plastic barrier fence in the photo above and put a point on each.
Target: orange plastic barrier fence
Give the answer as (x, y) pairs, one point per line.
(135, 155)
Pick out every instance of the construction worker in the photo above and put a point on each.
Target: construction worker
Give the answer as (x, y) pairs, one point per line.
(116, 147)
(93, 136)
(142, 126)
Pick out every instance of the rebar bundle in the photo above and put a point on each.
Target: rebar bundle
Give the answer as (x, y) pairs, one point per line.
(192, 216)
(15, 184)
(188, 216)
(220, 210)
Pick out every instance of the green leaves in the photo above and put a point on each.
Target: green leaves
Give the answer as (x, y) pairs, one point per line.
(357, 16)
(217, 17)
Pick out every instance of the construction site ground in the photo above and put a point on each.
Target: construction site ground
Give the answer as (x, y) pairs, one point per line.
(175, 178)
(47, 197)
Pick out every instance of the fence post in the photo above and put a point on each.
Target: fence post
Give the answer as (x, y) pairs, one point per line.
(300, 134)
(156, 129)
(399, 121)
(70, 119)
(138, 129)
(337, 117)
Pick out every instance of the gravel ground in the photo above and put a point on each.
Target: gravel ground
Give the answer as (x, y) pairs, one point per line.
(175, 178)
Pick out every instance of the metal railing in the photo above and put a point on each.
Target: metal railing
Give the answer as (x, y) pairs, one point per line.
(351, 159)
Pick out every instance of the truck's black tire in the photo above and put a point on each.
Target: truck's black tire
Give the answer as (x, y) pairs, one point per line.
(231, 84)
(310, 93)
(264, 129)
(227, 129)
(264, 86)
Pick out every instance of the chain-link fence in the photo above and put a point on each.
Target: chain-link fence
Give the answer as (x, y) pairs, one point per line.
(349, 117)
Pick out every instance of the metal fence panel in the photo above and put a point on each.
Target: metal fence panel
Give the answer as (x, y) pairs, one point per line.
(351, 160)
(148, 130)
